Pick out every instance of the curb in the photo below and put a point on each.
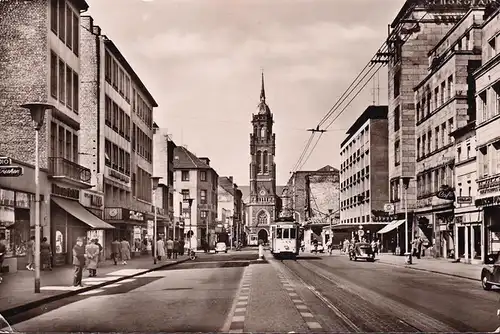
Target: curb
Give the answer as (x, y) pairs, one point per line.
(37, 303)
(430, 271)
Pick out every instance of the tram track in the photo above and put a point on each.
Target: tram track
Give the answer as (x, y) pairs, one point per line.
(358, 308)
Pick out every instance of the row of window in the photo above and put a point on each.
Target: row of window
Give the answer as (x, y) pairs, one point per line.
(431, 181)
(262, 162)
(185, 175)
(425, 144)
(142, 144)
(356, 162)
(116, 76)
(63, 142)
(141, 185)
(355, 220)
(203, 195)
(117, 158)
(65, 23)
(356, 199)
(116, 118)
(430, 102)
(489, 160)
(260, 131)
(356, 143)
(142, 109)
(488, 103)
(64, 83)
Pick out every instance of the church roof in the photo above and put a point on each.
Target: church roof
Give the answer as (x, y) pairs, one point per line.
(184, 159)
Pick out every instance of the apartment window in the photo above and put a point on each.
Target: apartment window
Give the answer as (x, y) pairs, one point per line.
(442, 91)
(185, 175)
(429, 99)
(127, 127)
(394, 190)
(449, 175)
(484, 161)
(62, 80)
(185, 194)
(450, 125)
(436, 97)
(418, 111)
(116, 117)
(68, 145)
(107, 153)
(450, 87)
(107, 66)
(75, 148)
(53, 15)
(69, 27)
(76, 34)
(429, 141)
(127, 163)
(468, 151)
(436, 180)
(62, 16)
(134, 186)
(53, 139)
(483, 106)
(496, 90)
(61, 142)
(53, 74)
(418, 147)
(108, 105)
(397, 153)
(443, 134)
(424, 146)
(203, 214)
(203, 175)
(397, 119)
(492, 47)
(437, 138)
(397, 83)
(69, 87)
(459, 153)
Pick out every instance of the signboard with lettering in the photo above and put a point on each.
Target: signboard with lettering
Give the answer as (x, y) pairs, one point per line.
(446, 193)
(456, 3)
(11, 171)
(5, 161)
(488, 201)
(464, 200)
(65, 192)
(136, 215)
(90, 199)
(490, 185)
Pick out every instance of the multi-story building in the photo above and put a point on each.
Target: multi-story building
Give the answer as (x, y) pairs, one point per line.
(194, 179)
(117, 137)
(364, 173)
(468, 228)
(229, 199)
(443, 103)
(417, 28)
(163, 167)
(42, 64)
(487, 135)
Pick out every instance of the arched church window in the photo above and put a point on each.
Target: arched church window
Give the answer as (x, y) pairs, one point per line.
(263, 132)
(259, 162)
(255, 131)
(262, 218)
(265, 162)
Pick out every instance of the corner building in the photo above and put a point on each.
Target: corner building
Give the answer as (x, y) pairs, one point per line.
(263, 206)
(442, 105)
(117, 139)
(417, 28)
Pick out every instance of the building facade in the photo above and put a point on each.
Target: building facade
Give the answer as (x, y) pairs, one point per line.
(263, 206)
(230, 204)
(487, 134)
(43, 64)
(195, 180)
(468, 230)
(163, 167)
(364, 172)
(117, 138)
(443, 103)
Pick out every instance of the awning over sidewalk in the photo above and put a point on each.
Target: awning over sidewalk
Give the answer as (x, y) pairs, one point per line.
(78, 211)
(391, 226)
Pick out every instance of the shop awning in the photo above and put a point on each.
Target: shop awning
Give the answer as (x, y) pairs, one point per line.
(79, 212)
(391, 226)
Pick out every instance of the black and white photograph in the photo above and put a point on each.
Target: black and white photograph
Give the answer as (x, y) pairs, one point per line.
(249, 166)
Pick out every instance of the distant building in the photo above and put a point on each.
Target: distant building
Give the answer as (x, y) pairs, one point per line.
(194, 179)
(230, 206)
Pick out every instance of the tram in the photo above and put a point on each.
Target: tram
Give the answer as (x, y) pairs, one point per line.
(285, 239)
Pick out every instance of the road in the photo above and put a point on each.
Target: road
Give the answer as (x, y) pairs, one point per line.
(231, 292)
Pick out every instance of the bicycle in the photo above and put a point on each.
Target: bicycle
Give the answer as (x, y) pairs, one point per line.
(191, 254)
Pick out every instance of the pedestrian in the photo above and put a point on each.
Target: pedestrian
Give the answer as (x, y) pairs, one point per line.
(125, 251)
(170, 248)
(30, 253)
(92, 255)
(176, 248)
(78, 262)
(45, 254)
(181, 247)
(419, 247)
(3, 250)
(160, 244)
(115, 251)
(96, 241)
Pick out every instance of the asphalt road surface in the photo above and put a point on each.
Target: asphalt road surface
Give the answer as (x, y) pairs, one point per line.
(318, 294)
(373, 297)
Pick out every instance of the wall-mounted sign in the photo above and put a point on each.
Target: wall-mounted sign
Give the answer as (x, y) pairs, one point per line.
(11, 171)
(424, 202)
(119, 176)
(136, 215)
(457, 3)
(446, 193)
(65, 192)
(5, 161)
(92, 199)
(389, 207)
(488, 201)
(464, 200)
(489, 185)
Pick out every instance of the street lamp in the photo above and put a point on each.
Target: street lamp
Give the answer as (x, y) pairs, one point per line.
(406, 183)
(37, 111)
(155, 180)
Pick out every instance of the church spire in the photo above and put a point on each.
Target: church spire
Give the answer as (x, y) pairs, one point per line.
(262, 91)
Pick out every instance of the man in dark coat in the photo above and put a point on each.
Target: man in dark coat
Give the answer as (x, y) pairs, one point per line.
(115, 251)
(78, 261)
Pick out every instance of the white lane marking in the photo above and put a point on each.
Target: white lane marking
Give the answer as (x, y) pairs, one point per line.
(240, 309)
(306, 314)
(301, 307)
(238, 318)
(128, 280)
(313, 325)
(98, 279)
(60, 288)
(242, 303)
(293, 294)
(243, 298)
(126, 272)
(91, 292)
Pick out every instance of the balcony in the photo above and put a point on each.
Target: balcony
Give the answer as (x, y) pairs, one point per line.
(69, 172)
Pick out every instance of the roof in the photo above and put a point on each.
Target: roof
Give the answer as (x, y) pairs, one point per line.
(184, 159)
(135, 78)
(226, 184)
(372, 112)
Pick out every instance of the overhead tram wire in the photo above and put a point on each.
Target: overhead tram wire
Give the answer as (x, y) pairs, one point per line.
(312, 150)
(304, 151)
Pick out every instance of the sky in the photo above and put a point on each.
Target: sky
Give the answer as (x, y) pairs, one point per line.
(202, 60)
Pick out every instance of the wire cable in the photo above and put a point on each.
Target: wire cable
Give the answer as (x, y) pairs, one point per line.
(304, 151)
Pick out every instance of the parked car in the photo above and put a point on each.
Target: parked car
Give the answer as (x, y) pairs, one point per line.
(490, 275)
(221, 247)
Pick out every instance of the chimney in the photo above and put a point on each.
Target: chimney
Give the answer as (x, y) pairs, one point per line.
(205, 160)
(96, 30)
(87, 22)
(230, 179)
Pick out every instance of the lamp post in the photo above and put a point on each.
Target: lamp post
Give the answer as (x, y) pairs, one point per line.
(154, 181)
(189, 201)
(37, 111)
(406, 183)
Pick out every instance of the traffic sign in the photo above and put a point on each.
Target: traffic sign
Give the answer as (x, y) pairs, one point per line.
(11, 171)
(5, 161)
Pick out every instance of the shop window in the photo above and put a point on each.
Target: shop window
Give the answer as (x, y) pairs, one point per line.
(60, 244)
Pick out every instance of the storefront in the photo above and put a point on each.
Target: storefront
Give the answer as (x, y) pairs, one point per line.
(469, 237)
(491, 222)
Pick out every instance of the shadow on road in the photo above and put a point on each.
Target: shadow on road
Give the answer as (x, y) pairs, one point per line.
(308, 257)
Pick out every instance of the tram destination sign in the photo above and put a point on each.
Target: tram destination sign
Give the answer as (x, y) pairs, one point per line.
(11, 171)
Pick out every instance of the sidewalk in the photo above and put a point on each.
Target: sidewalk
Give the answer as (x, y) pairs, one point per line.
(440, 266)
(17, 289)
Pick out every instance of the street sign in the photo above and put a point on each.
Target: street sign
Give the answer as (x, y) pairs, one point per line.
(389, 207)
(11, 171)
(5, 161)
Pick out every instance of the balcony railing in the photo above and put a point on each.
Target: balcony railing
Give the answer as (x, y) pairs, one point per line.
(60, 167)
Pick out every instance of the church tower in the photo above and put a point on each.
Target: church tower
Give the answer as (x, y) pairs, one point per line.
(262, 209)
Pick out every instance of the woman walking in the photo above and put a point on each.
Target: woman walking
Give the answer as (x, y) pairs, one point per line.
(92, 255)
(125, 251)
(30, 253)
(45, 254)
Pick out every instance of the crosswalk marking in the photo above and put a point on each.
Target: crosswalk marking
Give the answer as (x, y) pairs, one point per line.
(60, 288)
(91, 292)
(102, 279)
(126, 272)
